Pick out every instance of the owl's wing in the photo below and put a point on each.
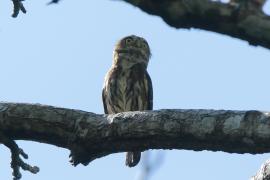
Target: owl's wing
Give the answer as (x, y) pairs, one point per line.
(150, 92)
(104, 101)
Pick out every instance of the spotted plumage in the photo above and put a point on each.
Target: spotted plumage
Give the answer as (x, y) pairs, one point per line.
(127, 85)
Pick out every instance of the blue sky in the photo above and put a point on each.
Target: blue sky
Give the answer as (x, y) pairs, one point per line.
(58, 55)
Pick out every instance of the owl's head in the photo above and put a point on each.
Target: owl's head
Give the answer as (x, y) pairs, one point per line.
(131, 50)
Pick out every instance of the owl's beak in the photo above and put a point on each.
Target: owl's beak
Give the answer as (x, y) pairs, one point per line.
(127, 51)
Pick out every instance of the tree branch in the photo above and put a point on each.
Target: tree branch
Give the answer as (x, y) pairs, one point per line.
(16, 161)
(246, 22)
(90, 136)
(263, 173)
(17, 7)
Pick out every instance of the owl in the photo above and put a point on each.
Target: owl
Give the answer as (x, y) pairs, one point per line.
(127, 85)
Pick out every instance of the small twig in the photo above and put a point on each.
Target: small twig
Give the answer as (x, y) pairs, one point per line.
(18, 6)
(16, 161)
(24, 155)
(53, 2)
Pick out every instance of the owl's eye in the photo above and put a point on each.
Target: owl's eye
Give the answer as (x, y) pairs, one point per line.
(144, 45)
(128, 40)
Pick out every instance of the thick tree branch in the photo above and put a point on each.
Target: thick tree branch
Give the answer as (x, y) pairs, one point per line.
(246, 22)
(90, 136)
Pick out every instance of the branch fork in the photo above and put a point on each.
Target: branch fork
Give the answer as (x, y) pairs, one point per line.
(16, 160)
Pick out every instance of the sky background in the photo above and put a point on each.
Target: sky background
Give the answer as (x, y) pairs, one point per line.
(58, 55)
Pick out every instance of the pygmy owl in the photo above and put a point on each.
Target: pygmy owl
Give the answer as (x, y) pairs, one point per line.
(127, 85)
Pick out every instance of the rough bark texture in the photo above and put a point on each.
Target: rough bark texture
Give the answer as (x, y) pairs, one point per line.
(90, 136)
(246, 22)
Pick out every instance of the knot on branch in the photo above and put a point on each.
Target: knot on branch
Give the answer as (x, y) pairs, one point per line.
(16, 161)
(78, 155)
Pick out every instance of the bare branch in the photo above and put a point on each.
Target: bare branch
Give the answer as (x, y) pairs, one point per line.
(243, 21)
(18, 6)
(16, 161)
(53, 2)
(90, 136)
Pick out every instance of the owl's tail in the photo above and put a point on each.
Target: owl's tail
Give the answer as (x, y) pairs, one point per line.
(132, 158)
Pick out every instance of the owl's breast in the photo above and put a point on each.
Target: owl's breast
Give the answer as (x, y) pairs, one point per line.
(127, 90)
(122, 90)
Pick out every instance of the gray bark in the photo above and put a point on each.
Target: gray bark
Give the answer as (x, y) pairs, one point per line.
(90, 136)
(263, 173)
(242, 21)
